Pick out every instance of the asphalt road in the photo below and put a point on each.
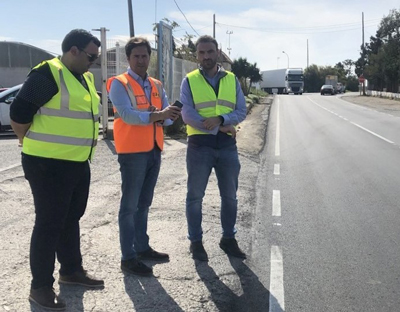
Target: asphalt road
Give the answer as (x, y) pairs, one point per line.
(318, 219)
(333, 228)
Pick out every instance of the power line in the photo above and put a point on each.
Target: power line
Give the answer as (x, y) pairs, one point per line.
(308, 30)
(185, 18)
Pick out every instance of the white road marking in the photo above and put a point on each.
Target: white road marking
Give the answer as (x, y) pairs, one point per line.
(10, 167)
(276, 203)
(373, 133)
(353, 123)
(277, 169)
(276, 293)
(277, 138)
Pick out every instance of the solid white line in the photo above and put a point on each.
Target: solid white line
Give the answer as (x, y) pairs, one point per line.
(276, 293)
(277, 169)
(276, 203)
(353, 123)
(10, 167)
(277, 138)
(373, 133)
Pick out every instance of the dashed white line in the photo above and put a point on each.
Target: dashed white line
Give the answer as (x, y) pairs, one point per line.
(277, 138)
(276, 292)
(277, 169)
(276, 203)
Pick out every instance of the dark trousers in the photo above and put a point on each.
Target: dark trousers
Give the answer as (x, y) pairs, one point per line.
(60, 191)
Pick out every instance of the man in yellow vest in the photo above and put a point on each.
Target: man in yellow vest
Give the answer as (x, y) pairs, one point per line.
(213, 104)
(141, 109)
(55, 116)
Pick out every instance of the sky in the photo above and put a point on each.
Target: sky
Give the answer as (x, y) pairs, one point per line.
(308, 31)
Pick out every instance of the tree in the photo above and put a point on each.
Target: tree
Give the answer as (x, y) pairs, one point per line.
(246, 73)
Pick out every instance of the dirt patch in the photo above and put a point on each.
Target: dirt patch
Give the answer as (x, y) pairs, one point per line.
(380, 104)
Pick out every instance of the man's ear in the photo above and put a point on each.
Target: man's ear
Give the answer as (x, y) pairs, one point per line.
(74, 50)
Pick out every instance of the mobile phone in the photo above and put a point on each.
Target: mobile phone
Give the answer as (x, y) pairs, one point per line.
(177, 104)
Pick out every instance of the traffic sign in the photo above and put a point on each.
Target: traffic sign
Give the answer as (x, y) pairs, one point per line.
(361, 79)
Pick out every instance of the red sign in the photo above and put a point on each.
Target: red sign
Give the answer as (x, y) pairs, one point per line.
(361, 79)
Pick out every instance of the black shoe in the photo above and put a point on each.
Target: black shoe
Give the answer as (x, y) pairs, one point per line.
(134, 266)
(151, 254)
(46, 298)
(198, 251)
(231, 248)
(81, 278)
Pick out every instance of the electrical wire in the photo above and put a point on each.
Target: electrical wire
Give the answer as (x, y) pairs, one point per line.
(185, 17)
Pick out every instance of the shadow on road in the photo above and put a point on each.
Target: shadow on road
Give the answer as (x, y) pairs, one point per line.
(255, 297)
(147, 294)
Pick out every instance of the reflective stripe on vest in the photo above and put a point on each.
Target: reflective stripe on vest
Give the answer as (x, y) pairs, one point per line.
(130, 138)
(67, 126)
(206, 102)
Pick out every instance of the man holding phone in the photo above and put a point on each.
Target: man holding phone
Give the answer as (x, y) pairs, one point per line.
(141, 110)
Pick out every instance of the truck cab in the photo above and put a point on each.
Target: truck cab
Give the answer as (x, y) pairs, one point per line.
(294, 81)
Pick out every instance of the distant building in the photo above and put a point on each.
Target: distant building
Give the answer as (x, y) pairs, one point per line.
(16, 61)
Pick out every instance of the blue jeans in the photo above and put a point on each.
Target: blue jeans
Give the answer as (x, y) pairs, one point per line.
(200, 160)
(139, 173)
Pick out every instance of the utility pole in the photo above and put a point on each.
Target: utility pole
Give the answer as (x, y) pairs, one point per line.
(307, 54)
(363, 53)
(131, 29)
(214, 26)
(229, 32)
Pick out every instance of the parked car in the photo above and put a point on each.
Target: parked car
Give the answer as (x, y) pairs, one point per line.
(327, 89)
(6, 98)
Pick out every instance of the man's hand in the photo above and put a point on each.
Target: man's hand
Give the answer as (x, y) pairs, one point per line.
(211, 122)
(170, 112)
(228, 129)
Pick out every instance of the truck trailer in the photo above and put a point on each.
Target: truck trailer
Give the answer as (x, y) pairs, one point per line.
(283, 81)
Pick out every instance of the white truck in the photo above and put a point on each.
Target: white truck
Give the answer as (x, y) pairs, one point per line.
(283, 81)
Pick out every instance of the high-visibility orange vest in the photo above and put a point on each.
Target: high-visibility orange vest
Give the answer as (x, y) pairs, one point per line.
(130, 138)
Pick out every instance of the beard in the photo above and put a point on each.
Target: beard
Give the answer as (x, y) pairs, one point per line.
(208, 64)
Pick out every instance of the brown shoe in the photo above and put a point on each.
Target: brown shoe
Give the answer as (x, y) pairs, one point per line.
(46, 298)
(81, 278)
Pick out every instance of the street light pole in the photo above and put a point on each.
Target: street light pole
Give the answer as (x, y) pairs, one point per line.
(277, 62)
(229, 32)
(287, 58)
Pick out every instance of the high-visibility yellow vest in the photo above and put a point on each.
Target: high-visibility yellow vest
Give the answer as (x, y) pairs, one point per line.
(67, 126)
(206, 102)
(130, 138)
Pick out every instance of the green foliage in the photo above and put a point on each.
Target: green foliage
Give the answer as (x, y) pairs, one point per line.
(254, 98)
(248, 101)
(260, 93)
(314, 76)
(379, 60)
(246, 73)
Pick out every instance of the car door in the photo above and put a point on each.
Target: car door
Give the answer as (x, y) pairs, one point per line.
(5, 103)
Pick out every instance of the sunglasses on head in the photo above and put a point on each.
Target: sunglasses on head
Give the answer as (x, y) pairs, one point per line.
(91, 57)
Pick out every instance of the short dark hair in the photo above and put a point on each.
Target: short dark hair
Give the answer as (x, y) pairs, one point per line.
(135, 42)
(206, 39)
(79, 38)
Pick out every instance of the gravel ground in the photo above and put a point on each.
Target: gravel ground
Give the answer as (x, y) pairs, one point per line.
(380, 104)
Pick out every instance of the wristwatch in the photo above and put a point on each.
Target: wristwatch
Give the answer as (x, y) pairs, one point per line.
(222, 120)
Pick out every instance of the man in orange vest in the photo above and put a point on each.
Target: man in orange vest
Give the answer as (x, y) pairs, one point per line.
(141, 110)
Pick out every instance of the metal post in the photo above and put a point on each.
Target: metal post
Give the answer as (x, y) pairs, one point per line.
(131, 28)
(117, 58)
(287, 58)
(229, 32)
(104, 97)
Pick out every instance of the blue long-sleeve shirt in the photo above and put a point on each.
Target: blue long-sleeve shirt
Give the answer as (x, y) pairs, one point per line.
(120, 99)
(193, 118)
